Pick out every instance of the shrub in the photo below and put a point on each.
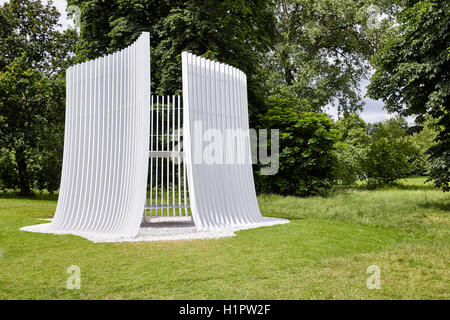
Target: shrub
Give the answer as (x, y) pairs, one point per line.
(307, 157)
(389, 154)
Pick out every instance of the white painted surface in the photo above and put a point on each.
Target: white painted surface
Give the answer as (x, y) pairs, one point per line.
(106, 143)
(106, 152)
(167, 172)
(159, 229)
(222, 193)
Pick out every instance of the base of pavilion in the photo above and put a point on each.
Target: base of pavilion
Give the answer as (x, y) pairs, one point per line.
(160, 229)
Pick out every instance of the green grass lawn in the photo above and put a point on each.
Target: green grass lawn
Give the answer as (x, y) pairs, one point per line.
(323, 253)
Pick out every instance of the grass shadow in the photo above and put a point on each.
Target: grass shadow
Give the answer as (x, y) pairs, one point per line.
(436, 205)
(400, 185)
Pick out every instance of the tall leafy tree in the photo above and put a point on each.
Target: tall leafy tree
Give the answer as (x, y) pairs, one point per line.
(33, 56)
(413, 74)
(389, 155)
(322, 50)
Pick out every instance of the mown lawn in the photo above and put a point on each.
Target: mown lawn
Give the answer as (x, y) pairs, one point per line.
(323, 253)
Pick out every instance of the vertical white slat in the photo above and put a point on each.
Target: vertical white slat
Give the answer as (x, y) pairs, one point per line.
(61, 221)
(201, 185)
(186, 59)
(162, 159)
(101, 181)
(90, 116)
(143, 121)
(126, 115)
(232, 126)
(217, 167)
(209, 110)
(82, 143)
(196, 115)
(139, 202)
(157, 149)
(78, 151)
(186, 211)
(173, 158)
(116, 217)
(111, 153)
(120, 129)
(97, 135)
(100, 110)
(146, 89)
(129, 126)
(79, 154)
(251, 182)
(179, 152)
(252, 207)
(147, 92)
(222, 124)
(229, 125)
(71, 154)
(151, 159)
(67, 152)
(241, 212)
(168, 158)
(106, 142)
(135, 119)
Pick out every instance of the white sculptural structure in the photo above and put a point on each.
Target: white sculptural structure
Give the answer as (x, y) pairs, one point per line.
(107, 141)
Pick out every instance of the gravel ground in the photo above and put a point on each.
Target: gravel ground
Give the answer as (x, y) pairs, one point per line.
(161, 229)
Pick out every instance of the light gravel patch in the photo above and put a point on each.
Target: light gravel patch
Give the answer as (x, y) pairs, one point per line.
(161, 229)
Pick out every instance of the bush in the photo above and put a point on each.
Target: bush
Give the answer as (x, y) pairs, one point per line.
(440, 165)
(351, 149)
(349, 163)
(307, 141)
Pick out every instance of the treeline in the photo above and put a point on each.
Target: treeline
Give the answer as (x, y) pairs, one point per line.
(300, 56)
(319, 155)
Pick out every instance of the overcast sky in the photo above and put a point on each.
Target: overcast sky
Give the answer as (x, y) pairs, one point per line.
(373, 109)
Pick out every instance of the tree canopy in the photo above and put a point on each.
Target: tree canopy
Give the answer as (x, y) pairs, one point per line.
(33, 58)
(300, 56)
(413, 74)
(322, 50)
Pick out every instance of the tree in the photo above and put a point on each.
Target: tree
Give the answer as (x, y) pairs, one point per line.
(351, 149)
(413, 74)
(389, 154)
(233, 32)
(33, 56)
(322, 51)
(422, 141)
(307, 141)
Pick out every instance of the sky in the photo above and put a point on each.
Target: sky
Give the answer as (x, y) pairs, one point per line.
(373, 109)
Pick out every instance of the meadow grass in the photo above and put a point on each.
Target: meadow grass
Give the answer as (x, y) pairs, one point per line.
(323, 253)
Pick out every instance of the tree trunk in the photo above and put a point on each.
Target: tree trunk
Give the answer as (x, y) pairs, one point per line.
(24, 179)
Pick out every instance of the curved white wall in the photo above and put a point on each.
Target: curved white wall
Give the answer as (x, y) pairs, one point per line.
(106, 144)
(221, 186)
